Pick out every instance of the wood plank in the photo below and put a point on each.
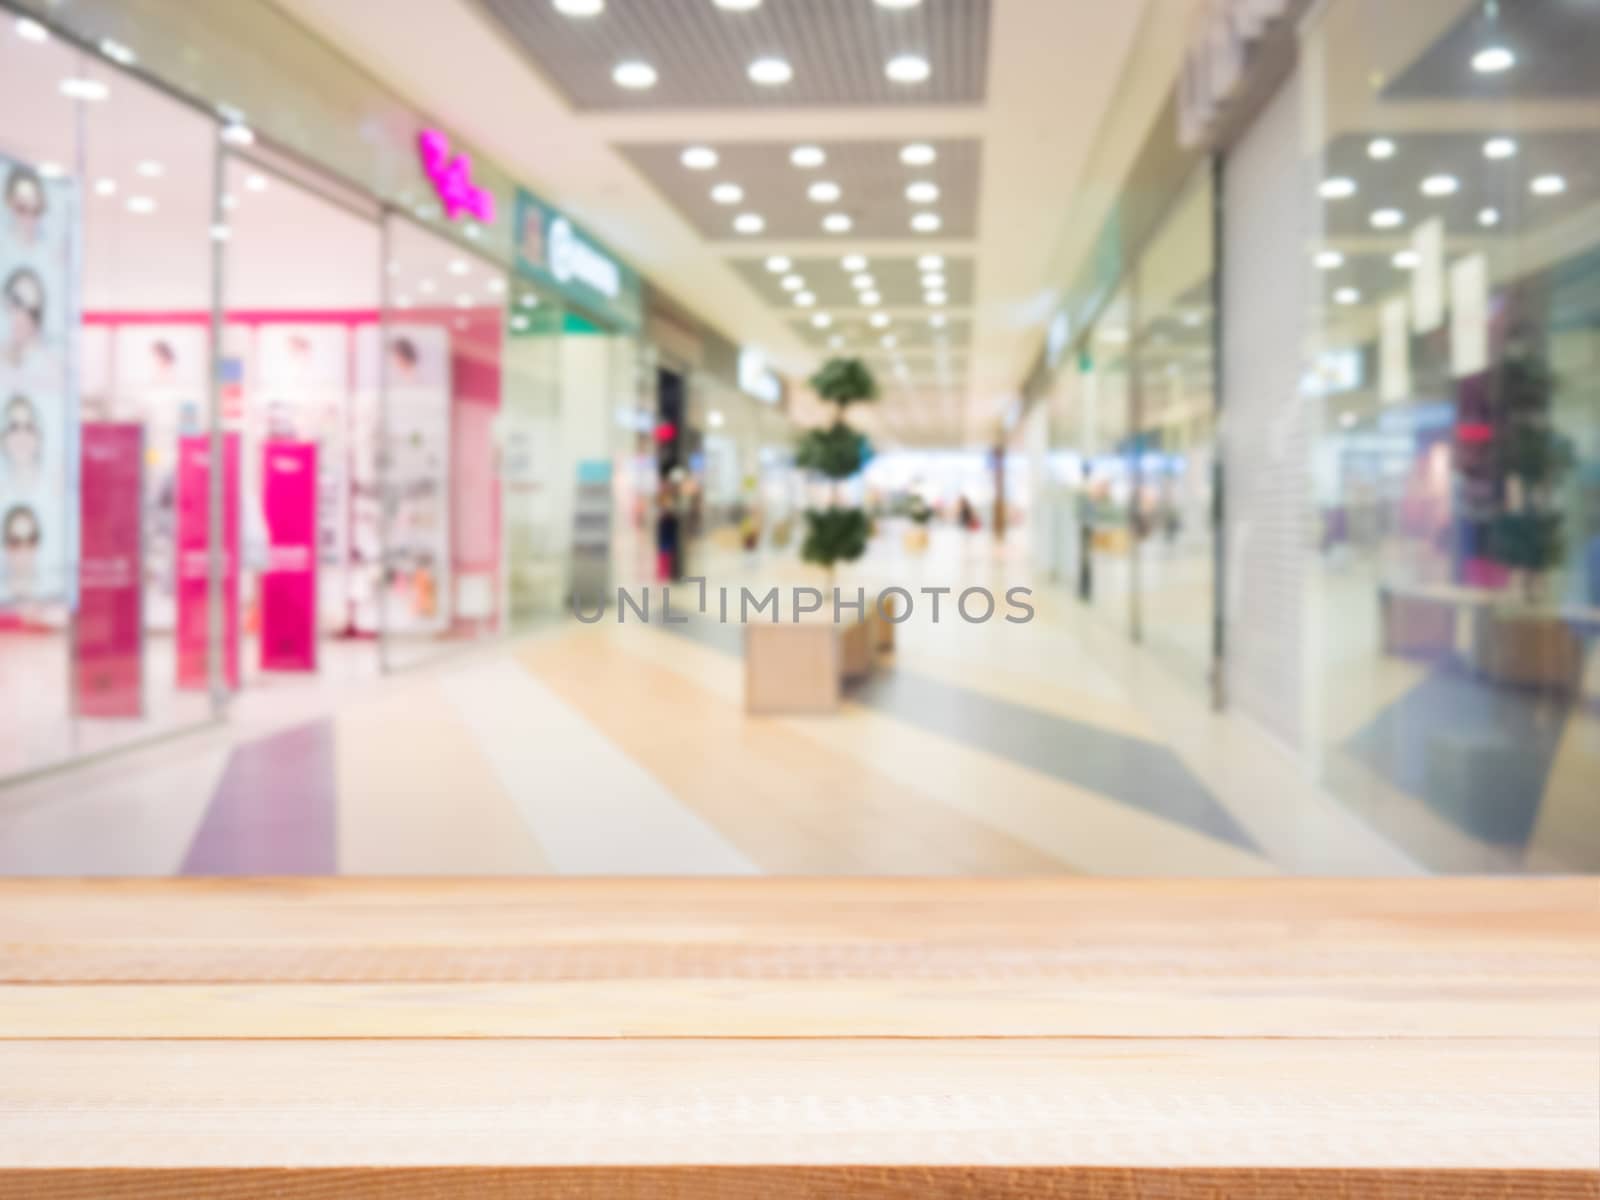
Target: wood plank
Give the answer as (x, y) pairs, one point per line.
(1141, 1103)
(1283, 1004)
(652, 1182)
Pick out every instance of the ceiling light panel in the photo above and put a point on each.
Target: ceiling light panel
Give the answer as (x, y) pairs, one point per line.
(873, 187)
(849, 52)
(896, 279)
(1456, 175)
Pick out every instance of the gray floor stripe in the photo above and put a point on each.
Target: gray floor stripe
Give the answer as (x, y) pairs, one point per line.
(275, 809)
(1135, 772)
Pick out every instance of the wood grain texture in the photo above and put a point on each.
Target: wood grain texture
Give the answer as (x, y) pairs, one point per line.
(799, 1038)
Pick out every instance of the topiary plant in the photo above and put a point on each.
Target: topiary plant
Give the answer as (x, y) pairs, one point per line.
(837, 533)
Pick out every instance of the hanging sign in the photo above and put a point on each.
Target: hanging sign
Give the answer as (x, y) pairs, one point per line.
(193, 632)
(289, 582)
(107, 641)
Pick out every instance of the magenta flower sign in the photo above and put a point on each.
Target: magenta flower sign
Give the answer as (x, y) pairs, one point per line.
(451, 176)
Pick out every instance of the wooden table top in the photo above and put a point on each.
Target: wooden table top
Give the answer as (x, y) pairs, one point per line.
(778, 1038)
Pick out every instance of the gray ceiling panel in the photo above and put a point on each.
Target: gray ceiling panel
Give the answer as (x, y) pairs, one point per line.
(872, 182)
(898, 281)
(701, 53)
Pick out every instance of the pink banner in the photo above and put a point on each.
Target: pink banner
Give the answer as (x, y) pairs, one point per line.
(194, 529)
(289, 583)
(108, 679)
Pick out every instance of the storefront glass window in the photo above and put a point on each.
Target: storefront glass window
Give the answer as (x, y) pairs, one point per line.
(1452, 379)
(1177, 433)
(106, 266)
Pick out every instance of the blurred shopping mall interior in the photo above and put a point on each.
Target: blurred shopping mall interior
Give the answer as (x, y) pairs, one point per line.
(427, 425)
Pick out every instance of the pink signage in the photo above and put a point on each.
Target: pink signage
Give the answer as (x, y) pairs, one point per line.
(289, 582)
(193, 547)
(452, 178)
(108, 678)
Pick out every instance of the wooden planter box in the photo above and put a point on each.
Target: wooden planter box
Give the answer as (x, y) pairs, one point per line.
(802, 667)
(1527, 649)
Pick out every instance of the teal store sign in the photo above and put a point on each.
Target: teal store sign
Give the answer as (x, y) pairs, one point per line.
(554, 251)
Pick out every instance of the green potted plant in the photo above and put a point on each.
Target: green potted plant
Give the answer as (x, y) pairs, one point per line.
(837, 533)
(1528, 644)
(916, 539)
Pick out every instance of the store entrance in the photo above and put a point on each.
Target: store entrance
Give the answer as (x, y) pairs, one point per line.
(302, 286)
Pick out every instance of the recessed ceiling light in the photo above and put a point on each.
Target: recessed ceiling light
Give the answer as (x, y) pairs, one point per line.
(922, 192)
(1405, 260)
(824, 191)
(117, 52)
(579, 8)
(30, 30)
(1548, 185)
(1488, 216)
(907, 68)
(770, 72)
(926, 222)
(1387, 218)
(1329, 260)
(105, 187)
(1347, 295)
(917, 154)
(898, 3)
(821, 320)
(738, 5)
(699, 158)
(236, 133)
(933, 279)
(1491, 60)
(807, 156)
(805, 300)
(749, 223)
(727, 193)
(1440, 185)
(935, 297)
(937, 320)
(854, 262)
(84, 89)
(836, 223)
(458, 266)
(634, 75)
(879, 320)
(141, 205)
(255, 182)
(793, 283)
(778, 264)
(1500, 147)
(1380, 148)
(931, 262)
(1337, 188)
(870, 299)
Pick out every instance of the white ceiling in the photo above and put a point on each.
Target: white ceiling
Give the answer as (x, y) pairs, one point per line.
(1053, 67)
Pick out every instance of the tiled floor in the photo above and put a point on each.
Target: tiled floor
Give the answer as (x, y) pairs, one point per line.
(623, 749)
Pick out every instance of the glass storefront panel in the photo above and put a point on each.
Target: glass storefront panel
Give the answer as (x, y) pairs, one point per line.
(106, 266)
(1177, 439)
(438, 357)
(1454, 217)
(1105, 433)
(301, 292)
